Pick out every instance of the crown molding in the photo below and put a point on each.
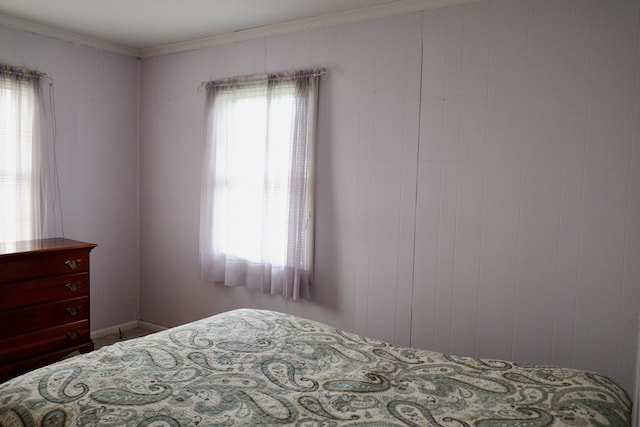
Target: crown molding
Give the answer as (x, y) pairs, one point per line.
(46, 31)
(373, 12)
(397, 8)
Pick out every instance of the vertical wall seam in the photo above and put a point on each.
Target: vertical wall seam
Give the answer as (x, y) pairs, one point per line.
(455, 223)
(402, 172)
(441, 162)
(520, 197)
(484, 172)
(582, 190)
(417, 168)
(359, 285)
(354, 292)
(138, 243)
(562, 168)
(403, 194)
(636, 383)
(634, 137)
(373, 150)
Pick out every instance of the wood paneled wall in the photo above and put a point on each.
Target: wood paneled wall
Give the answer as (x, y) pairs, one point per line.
(527, 219)
(478, 186)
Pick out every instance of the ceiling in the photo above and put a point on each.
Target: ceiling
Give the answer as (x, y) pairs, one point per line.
(146, 24)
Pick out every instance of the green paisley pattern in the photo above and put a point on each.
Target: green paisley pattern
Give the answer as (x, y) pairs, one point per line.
(261, 368)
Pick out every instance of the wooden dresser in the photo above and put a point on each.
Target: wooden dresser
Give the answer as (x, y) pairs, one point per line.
(44, 303)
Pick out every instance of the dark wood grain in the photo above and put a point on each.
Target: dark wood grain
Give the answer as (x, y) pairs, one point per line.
(44, 302)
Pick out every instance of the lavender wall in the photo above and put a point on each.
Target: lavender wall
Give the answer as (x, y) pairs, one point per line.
(528, 219)
(368, 138)
(478, 179)
(96, 110)
(478, 183)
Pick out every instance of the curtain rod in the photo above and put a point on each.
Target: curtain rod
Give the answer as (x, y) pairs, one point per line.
(255, 78)
(24, 73)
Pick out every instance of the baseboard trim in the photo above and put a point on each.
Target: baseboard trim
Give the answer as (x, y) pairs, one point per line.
(113, 330)
(151, 326)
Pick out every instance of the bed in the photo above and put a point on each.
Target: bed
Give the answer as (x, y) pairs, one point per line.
(260, 368)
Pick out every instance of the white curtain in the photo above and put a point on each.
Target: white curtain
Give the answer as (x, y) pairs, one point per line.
(24, 190)
(256, 224)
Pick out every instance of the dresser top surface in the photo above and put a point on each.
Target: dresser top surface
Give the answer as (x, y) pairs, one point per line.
(42, 245)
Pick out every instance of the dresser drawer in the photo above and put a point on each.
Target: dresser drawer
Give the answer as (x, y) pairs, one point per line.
(44, 341)
(23, 267)
(27, 319)
(44, 302)
(38, 291)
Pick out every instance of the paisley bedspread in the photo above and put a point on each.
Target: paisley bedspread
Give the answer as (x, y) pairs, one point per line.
(261, 368)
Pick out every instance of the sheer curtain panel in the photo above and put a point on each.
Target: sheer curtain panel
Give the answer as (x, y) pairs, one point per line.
(256, 219)
(23, 164)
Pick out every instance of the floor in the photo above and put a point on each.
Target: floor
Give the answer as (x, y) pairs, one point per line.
(122, 336)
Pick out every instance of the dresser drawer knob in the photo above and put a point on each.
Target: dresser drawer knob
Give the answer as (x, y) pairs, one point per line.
(73, 335)
(72, 287)
(73, 311)
(73, 264)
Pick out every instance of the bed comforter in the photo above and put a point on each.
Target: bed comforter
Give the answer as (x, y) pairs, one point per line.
(260, 368)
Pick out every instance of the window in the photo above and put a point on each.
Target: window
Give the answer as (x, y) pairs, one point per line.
(256, 224)
(20, 156)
